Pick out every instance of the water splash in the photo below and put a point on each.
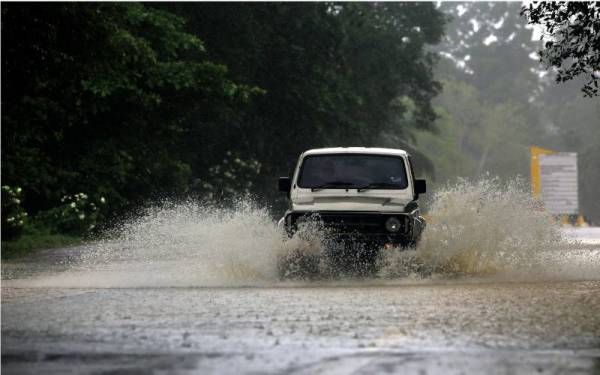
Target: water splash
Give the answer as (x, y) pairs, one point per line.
(179, 244)
(486, 228)
(475, 229)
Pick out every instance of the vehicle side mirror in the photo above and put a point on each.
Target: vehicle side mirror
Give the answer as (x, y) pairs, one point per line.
(285, 184)
(420, 187)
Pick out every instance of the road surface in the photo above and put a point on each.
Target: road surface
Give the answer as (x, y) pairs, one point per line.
(59, 322)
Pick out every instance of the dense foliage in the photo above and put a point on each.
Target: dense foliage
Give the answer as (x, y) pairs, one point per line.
(97, 99)
(106, 106)
(129, 102)
(332, 74)
(572, 34)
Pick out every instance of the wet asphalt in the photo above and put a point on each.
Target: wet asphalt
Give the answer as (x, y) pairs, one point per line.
(460, 326)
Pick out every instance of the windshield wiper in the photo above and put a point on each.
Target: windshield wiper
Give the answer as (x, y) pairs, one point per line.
(331, 184)
(377, 185)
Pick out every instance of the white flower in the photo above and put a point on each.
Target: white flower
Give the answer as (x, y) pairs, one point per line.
(73, 205)
(10, 219)
(102, 200)
(81, 216)
(18, 190)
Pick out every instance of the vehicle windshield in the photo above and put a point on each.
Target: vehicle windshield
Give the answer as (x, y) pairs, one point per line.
(341, 171)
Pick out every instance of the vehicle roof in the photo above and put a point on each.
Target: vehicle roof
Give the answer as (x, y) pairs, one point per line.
(356, 150)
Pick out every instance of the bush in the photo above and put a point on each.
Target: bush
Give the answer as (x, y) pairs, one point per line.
(77, 215)
(232, 177)
(13, 214)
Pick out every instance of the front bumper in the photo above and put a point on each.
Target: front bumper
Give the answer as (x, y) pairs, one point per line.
(356, 226)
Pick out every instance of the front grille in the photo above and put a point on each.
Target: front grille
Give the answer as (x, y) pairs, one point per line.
(351, 222)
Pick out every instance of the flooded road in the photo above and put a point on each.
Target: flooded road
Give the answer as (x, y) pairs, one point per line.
(420, 326)
(494, 286)
(434, 328)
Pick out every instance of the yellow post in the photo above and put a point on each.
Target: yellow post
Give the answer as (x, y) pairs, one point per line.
(534, 168)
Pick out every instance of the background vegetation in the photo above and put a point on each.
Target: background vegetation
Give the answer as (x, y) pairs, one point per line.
(499, 98)
(109, 106)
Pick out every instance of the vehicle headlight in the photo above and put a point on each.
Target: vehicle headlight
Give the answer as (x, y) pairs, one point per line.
(393, 224)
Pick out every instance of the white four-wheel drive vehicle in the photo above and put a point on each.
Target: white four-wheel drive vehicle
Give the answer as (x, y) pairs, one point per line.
(365, 196)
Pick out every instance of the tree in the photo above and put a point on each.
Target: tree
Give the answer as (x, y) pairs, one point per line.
(489, 46)
(132, 101)
(492, 88)
(332, 73)
(478, 136)
(572, 34)
(96, 97)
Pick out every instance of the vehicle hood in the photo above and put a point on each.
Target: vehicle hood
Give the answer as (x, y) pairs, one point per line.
(350, 200)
